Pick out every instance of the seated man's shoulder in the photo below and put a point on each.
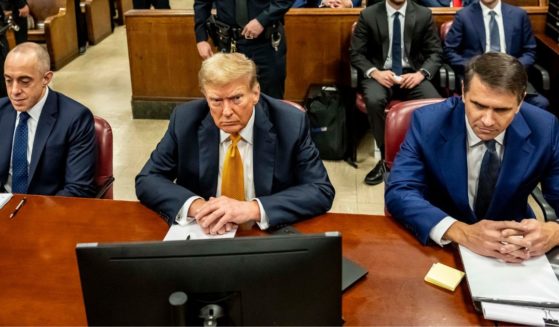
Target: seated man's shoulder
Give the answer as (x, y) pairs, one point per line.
(70, 108)
(537, 116)
(191, 110)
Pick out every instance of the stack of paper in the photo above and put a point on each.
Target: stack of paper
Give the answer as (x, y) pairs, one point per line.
(444, 276)
(526, 292)
(193, 231)
(4, 198)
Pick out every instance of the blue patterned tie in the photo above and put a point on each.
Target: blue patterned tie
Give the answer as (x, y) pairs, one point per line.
(488, 173)
(396, 45)
(494, 39)
(19, 156)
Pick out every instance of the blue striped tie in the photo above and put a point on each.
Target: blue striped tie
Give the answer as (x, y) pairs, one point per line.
(19, 156)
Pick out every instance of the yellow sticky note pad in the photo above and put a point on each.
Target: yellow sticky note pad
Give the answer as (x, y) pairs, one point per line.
(444, 276)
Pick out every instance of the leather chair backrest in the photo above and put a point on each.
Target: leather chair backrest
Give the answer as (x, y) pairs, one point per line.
(294, 104)
(397, 124)
(41, 9)
(104, 167)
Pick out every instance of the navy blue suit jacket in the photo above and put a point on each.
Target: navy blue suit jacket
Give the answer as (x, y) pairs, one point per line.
(63, 157)
(466, 37)
(289, 178)
(429, 178)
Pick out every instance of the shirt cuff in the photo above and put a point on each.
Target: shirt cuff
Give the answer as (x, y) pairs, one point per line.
(438, 231)
(264, 222)
(368, 72)
(182, 217)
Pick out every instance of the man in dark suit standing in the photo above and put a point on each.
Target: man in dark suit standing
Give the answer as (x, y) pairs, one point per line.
(490, 25)
(236, 157)
(396, 48)
(467, 166)
(47, 140)
(255, 28)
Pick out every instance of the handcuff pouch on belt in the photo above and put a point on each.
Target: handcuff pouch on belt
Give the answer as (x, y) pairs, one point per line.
(225, 36)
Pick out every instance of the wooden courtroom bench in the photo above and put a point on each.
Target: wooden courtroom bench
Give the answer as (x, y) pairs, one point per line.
(55, 25)
(98, 20)
(164, 62)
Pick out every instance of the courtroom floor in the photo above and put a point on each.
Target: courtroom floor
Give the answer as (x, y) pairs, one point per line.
(100, 79)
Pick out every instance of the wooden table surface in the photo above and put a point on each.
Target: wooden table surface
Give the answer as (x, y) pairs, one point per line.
(39, 281)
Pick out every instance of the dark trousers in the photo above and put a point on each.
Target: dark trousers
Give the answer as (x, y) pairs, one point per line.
(270, 63)
(80, 25)
(146, 4)
(21, 35)
(377, 97)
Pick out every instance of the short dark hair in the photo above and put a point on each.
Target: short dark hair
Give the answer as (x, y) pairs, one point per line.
(498, 70)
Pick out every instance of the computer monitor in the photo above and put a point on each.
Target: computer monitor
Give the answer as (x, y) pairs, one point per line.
(273, 280)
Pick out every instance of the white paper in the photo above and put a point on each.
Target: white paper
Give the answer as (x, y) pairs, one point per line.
(518, 314)
(4, 198)
(192, 229)
(532, 280)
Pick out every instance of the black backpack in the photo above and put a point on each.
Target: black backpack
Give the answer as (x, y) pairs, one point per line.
(326, 109)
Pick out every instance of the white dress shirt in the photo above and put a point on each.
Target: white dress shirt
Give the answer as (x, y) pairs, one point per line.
(32, 122)
(390, 17)
(499, 18)
(475, 152)
(245, 147)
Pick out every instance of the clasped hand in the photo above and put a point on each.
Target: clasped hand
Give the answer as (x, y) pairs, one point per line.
(509, 241)
(219, 215)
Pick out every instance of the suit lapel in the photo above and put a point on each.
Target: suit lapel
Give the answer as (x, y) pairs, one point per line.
(7, 123)
(264, 150)
(518, 151)
(409, 24)
(208, 147)
(382, 28)
(453, 153)
(479, 25)
(507, 24)
(47, 120)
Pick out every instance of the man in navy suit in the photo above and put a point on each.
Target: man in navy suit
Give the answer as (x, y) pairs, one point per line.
(470, 35)
(467, 166)
(284, 179)
(47, 140)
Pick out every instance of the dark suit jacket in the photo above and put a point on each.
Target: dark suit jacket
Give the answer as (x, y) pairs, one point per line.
(466, 37)
(289, 178)
(63, 158)
(370, 41)
(429, 178)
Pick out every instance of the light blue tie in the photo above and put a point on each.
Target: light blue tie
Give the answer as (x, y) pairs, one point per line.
(397, 45)
(19, 156)
(494, 38)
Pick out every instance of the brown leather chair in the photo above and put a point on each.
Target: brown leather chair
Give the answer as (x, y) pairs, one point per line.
(54, 23)
(104, 169)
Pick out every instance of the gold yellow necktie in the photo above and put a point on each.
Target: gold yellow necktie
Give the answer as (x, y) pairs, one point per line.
(232, 177)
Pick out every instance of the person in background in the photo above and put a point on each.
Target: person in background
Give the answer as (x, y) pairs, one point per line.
(235, 157)
(252, 27)
(394, 65)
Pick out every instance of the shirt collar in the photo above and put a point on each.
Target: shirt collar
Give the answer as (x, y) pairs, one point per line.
(35, 111)
(390, 10)
(485, 10)
(246, 133)
(474, 140)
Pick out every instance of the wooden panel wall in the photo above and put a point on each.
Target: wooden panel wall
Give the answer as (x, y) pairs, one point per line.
(164, 61)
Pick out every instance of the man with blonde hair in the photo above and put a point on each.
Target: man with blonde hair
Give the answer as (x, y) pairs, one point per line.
(235, 157)
(47, 140)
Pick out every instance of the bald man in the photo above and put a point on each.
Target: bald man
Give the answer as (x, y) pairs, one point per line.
(47, 140)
